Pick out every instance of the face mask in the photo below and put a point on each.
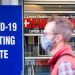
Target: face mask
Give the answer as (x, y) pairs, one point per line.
(46, 44)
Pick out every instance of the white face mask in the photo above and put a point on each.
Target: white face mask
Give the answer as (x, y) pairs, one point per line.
(46, 43)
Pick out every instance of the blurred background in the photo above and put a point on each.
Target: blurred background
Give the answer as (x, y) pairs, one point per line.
(36, 14)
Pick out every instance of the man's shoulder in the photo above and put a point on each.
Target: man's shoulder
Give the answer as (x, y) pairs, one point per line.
(65, 63)
(65, 58)
(65, 68)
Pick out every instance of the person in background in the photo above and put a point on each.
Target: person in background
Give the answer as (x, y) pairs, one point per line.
(55, 39)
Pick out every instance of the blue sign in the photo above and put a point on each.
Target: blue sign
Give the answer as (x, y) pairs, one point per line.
(10, 40)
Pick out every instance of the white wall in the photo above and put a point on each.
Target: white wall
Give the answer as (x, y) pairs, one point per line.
(9, 2)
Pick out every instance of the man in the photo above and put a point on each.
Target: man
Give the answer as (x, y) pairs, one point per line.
(55, 39)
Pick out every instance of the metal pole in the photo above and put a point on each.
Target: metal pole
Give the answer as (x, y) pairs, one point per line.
(29, 69)
(33, 70)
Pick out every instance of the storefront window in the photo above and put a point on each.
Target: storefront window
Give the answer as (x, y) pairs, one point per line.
(35, 18)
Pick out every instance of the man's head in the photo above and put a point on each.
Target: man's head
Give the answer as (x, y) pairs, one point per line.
(58, 31)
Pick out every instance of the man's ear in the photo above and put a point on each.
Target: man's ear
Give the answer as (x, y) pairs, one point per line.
(58, 38)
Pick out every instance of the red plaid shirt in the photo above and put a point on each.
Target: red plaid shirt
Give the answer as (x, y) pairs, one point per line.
(65, 68)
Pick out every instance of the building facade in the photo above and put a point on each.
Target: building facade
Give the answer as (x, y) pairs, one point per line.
(36, 14)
